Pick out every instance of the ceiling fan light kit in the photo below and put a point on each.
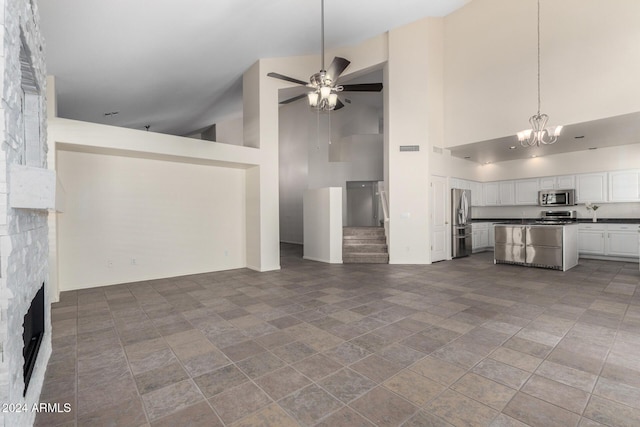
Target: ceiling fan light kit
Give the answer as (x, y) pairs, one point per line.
(539, 134)
(323, 95)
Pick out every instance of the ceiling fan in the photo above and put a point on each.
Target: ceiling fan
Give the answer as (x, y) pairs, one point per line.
(324, 88)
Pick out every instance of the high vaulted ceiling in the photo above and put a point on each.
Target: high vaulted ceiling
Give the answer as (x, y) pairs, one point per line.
(177, 65)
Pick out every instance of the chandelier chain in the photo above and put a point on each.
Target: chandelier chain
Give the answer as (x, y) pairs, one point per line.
(322, 34)
(538, 57)
(539, 134)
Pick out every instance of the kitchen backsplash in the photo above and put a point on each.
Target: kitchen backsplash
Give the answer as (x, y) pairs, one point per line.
(605, 210)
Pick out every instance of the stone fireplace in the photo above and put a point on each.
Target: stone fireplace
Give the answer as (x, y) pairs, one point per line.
(26, 193)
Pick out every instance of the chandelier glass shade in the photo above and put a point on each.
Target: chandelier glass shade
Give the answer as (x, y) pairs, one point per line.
(324, 96)
(539, 134)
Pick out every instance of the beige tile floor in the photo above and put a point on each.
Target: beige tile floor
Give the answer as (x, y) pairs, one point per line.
(463, 343)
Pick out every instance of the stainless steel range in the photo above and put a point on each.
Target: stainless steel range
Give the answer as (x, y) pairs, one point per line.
(557, 217)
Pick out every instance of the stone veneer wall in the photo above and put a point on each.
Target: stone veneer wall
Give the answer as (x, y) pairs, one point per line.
(23, 232)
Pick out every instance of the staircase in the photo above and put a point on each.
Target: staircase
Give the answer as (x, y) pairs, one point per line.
(364, 245)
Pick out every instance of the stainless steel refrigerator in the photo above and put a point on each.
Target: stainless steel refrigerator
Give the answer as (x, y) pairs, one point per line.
(461, 243)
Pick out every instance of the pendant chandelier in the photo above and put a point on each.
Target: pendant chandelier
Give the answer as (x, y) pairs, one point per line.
(539, 134)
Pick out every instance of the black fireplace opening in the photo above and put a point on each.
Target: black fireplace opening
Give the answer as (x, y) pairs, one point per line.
(32, 335)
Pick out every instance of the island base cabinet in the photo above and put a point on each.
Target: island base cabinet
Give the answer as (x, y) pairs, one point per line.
(544, 246)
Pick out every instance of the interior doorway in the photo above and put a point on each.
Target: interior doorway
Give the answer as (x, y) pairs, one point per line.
(362, 204)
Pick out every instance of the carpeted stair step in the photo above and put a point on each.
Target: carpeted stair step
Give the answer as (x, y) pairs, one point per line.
(364, 245)
(364, 248)
(366, 258)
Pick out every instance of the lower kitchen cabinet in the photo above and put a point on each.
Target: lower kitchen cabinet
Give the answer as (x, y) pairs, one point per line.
(591, 239)
(492, 235)
(622, 240)
(480, 239)
(613, 240)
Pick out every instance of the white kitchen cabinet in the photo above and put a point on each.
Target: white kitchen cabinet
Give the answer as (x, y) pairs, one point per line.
(622, 240)
(624, 186)
(614, 240)
(477, 196)
(565, 182)
(526, 191)
(548, 183)
(507, 193)
(591, 187)
(491, 193)
(499, 193)
(480, 233)
(591, 239)
(562, 182)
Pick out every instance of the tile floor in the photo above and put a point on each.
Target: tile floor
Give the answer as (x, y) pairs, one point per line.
(463, 343)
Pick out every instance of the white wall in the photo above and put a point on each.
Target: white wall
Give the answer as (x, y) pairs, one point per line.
(260, 130)
(323, 225)
(230, 131)
(171, 218)
(310, 159)
(589, 64)
(407, 110)
(205, 170)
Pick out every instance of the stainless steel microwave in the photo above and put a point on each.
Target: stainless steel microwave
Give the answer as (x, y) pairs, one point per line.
(557, 197)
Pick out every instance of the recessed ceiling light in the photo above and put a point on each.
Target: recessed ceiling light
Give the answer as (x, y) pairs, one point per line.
(513, 147)
(487, 163)
(534, 155)
(579, 137)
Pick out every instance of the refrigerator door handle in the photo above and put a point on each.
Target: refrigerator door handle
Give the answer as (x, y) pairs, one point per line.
(464, 207)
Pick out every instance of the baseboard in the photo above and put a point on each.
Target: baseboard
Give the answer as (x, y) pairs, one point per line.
(326, 261)
(608, 258)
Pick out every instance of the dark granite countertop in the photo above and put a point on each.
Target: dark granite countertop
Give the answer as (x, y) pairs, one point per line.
(579, 220)
(612, 220)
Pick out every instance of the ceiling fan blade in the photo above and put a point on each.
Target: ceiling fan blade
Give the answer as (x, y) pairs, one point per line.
(338, 65)
(287, 78)
(339, 105)
(363, 87)
(295, 98)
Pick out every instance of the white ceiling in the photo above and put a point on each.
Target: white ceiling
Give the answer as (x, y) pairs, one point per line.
(177, 65)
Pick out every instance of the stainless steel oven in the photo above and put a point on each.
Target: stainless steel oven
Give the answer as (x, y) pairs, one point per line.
(550, 198)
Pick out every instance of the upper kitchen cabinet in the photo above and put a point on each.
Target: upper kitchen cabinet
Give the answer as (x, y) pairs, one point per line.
(563, 182)
(591, 187)
(624, 186)
(477, 198)
(477, 195)
(454, 182)
(548, 183)
(526, 191)
(499, 193)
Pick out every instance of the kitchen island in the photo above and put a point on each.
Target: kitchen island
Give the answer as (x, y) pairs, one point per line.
(537, 245)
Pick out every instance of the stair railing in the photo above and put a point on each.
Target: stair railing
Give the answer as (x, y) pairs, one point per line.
(385, 208)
